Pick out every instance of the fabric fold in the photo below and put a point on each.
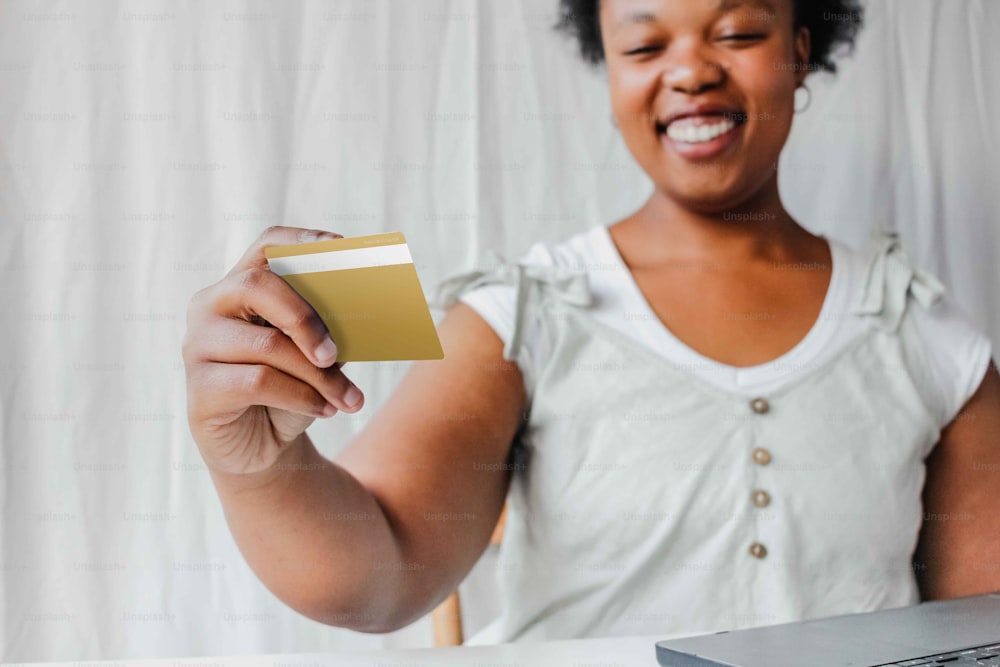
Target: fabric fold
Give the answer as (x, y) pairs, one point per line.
(570, 286)
(889, 280)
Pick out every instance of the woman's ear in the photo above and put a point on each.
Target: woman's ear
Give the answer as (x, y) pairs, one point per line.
(803, 49)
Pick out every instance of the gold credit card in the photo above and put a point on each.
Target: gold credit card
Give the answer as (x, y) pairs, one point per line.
(366, 290)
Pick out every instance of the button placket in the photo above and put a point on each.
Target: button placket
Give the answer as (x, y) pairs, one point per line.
(760, 456)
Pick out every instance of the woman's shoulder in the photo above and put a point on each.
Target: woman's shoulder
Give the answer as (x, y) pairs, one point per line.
(958, 350)
(492, 292)
(891, 287)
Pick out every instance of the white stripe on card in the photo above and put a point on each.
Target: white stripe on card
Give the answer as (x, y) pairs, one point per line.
(356, 258)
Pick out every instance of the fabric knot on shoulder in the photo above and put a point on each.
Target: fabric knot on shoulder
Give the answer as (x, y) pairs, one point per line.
(889, 281)
(570, 286)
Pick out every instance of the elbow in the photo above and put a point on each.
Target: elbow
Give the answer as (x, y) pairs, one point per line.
(371, 618)
(372, 603)
(359, 620)
(361, 615)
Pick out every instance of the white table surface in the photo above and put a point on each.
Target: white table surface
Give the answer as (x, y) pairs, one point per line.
(611, 652)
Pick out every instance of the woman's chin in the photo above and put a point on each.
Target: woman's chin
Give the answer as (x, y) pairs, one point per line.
(707, 198)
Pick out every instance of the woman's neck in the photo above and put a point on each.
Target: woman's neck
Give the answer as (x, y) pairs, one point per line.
(757, 229)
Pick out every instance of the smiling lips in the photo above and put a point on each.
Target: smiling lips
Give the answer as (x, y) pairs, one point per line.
(699, 129)
(703, 135)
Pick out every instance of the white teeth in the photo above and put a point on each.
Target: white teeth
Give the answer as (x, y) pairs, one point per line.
(691, 134)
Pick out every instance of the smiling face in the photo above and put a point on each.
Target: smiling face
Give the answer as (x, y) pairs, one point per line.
(704, 92)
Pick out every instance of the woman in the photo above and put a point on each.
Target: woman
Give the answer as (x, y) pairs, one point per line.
(728, 422)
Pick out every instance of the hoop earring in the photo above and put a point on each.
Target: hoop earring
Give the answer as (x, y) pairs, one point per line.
(808, 98)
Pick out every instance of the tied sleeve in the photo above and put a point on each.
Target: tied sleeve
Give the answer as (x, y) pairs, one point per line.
(890, 279)
(569, 286)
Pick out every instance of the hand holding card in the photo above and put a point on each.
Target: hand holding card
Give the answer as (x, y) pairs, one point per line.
(367, 292)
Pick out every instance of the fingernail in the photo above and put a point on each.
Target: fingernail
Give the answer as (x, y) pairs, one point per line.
(330, 410)
(352, 397)
(326, 351)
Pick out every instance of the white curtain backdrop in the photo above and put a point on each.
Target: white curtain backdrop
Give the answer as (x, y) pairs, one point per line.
(145, 143)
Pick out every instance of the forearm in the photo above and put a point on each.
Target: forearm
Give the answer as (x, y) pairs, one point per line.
(316, 538)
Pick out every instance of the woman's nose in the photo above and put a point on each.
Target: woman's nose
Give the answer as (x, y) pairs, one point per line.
(690, 71)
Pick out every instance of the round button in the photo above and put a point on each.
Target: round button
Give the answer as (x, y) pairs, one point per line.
(757, 550)
(759, 405)
(761, 456)
(761, 498)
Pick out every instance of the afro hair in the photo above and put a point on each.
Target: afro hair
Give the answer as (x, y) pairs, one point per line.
(832, 24)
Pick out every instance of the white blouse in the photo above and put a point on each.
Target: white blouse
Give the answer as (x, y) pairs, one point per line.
(654, 491)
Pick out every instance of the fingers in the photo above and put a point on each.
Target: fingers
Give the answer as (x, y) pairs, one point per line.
(229, 389)
(278, 235)
(232, 341)
(259, 292)
(252, 340)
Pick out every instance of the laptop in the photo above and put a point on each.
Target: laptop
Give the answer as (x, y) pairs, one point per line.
(946, 633)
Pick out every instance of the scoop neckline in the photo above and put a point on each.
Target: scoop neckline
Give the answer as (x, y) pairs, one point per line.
(805, 350)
